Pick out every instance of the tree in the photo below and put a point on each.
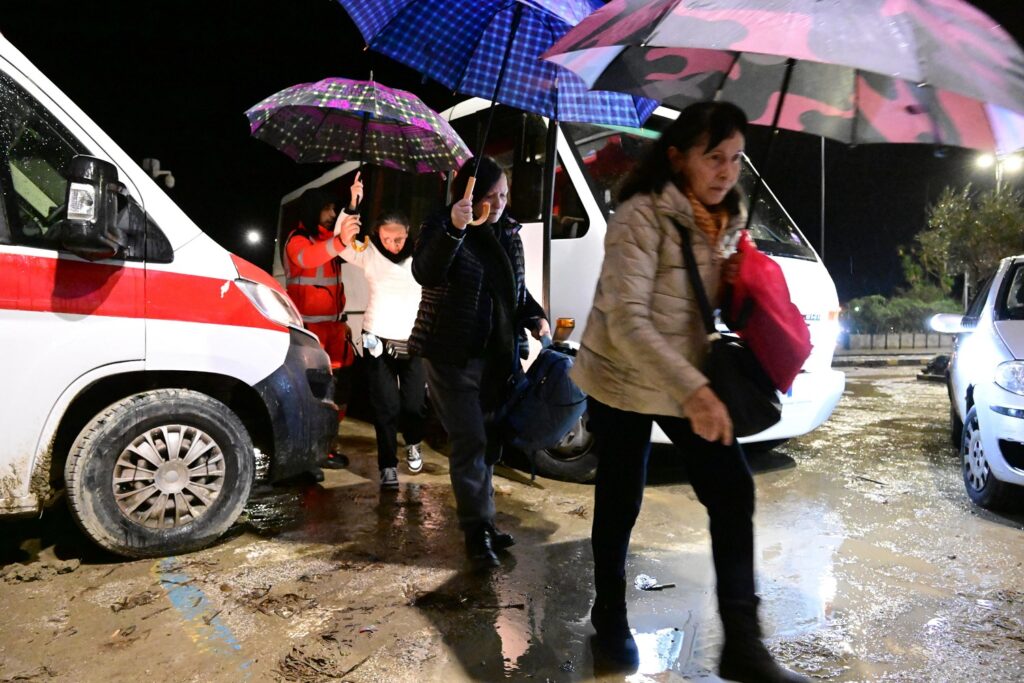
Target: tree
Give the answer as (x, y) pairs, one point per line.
(968, 232)
(876, 314)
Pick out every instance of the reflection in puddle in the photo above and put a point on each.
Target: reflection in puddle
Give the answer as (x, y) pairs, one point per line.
(660, 651)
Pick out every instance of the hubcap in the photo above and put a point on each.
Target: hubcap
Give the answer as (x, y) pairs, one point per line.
(975, 466)
(575, 444)
(169, 476)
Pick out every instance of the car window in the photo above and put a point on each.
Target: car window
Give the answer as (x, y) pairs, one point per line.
(978, 303)
(36, 149)
(1011, 299)
(36, 152)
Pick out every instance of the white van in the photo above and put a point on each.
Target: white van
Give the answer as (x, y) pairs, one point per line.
(588, 163)
(144, 368)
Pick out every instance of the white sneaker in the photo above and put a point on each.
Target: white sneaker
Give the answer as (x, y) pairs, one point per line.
(413, 458)
(389, 478)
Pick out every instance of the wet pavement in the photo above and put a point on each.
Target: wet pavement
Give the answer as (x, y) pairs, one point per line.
(872, 564)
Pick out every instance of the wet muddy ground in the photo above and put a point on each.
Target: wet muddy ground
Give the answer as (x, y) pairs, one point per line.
(872, 564)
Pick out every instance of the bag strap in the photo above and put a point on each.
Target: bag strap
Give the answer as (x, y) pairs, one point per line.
(698, 285)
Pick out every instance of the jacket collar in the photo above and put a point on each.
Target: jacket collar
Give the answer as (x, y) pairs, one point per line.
(672, 203)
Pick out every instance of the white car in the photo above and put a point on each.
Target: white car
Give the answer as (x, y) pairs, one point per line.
(986, 387)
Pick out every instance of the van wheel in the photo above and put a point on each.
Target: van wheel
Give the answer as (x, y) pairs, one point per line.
(983, 488)
(573, 458)
(158, 473)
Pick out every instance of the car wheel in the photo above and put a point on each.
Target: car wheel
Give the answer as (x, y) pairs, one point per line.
(160, 472)
(573, 458)
(956, 427)
(982, 487)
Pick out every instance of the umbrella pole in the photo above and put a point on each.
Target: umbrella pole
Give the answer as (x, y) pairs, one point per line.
(361, 244)
(771, 142)
(517, 15)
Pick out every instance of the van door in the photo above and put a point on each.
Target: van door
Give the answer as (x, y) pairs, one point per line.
(61, 317)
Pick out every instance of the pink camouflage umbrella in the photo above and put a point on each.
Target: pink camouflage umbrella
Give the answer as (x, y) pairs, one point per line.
(917, 71)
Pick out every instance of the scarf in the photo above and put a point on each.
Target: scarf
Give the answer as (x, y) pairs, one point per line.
(405, 252)
(710, 221)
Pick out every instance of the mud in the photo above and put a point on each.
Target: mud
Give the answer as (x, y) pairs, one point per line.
(872, 564)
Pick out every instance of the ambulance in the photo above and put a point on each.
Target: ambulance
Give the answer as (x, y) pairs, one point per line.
(145, 370)
(582, 166)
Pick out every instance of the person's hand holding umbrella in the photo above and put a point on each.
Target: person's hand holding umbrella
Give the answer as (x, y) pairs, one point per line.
(462, 211)
(346, 228)
(356, 192)
(348, 231)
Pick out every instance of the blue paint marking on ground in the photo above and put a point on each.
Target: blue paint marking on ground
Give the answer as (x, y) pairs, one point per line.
(210, 634)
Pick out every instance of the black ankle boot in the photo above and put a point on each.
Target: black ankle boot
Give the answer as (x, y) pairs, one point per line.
(744, 657)
(614, 641)
(479, 548)
(499, 539)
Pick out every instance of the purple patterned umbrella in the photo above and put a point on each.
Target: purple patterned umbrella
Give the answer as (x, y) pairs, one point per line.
(338, 119)
(926, 71)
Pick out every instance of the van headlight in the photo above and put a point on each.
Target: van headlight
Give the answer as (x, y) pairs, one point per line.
(271, 303)
(1010, 376)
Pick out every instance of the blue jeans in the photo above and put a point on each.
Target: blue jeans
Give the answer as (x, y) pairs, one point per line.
(719, 475)
(475, 441)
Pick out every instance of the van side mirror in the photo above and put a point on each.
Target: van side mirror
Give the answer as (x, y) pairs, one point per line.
(90, 228)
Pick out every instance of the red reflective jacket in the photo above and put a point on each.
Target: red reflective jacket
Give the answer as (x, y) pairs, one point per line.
(313, 276)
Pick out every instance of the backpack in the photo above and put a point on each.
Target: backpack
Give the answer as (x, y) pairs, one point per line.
(544, 404)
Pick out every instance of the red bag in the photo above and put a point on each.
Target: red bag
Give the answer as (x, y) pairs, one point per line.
(774, 328)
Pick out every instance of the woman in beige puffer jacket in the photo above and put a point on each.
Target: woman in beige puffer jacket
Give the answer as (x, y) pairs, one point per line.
(639, 363)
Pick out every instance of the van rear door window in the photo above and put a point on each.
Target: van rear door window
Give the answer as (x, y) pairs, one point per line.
(518, 142)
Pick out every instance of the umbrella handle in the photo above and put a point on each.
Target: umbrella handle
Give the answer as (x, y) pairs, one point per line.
(485, 210)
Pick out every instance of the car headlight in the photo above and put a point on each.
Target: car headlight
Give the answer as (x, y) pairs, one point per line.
(1010, 376)
(271, 303)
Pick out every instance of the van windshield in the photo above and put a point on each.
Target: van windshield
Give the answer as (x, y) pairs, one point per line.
(609, 153)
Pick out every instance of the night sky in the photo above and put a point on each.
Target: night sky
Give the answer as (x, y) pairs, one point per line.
(172, 79)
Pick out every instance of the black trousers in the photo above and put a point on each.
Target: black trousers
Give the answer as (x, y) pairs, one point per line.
(719, 475)
(397, 393)
(455, 393)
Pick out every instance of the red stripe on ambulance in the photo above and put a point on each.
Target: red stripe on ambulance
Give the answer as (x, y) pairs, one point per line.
(66, 286)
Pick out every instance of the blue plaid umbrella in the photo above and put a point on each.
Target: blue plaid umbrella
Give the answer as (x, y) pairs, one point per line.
(491, 49)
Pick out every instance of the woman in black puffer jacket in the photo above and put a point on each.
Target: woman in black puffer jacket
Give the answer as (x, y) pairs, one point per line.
(470, 331)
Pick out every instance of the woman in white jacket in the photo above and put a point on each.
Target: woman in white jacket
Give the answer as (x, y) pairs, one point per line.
(397, 380)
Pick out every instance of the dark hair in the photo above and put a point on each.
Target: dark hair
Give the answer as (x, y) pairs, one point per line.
(311, 203)
(390, 217)
(717, 120)
(488, 174)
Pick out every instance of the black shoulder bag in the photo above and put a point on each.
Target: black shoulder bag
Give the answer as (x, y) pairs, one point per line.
(736, 376)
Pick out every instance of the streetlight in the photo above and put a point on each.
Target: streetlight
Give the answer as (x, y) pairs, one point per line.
(253, 236)
(1001, 163)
